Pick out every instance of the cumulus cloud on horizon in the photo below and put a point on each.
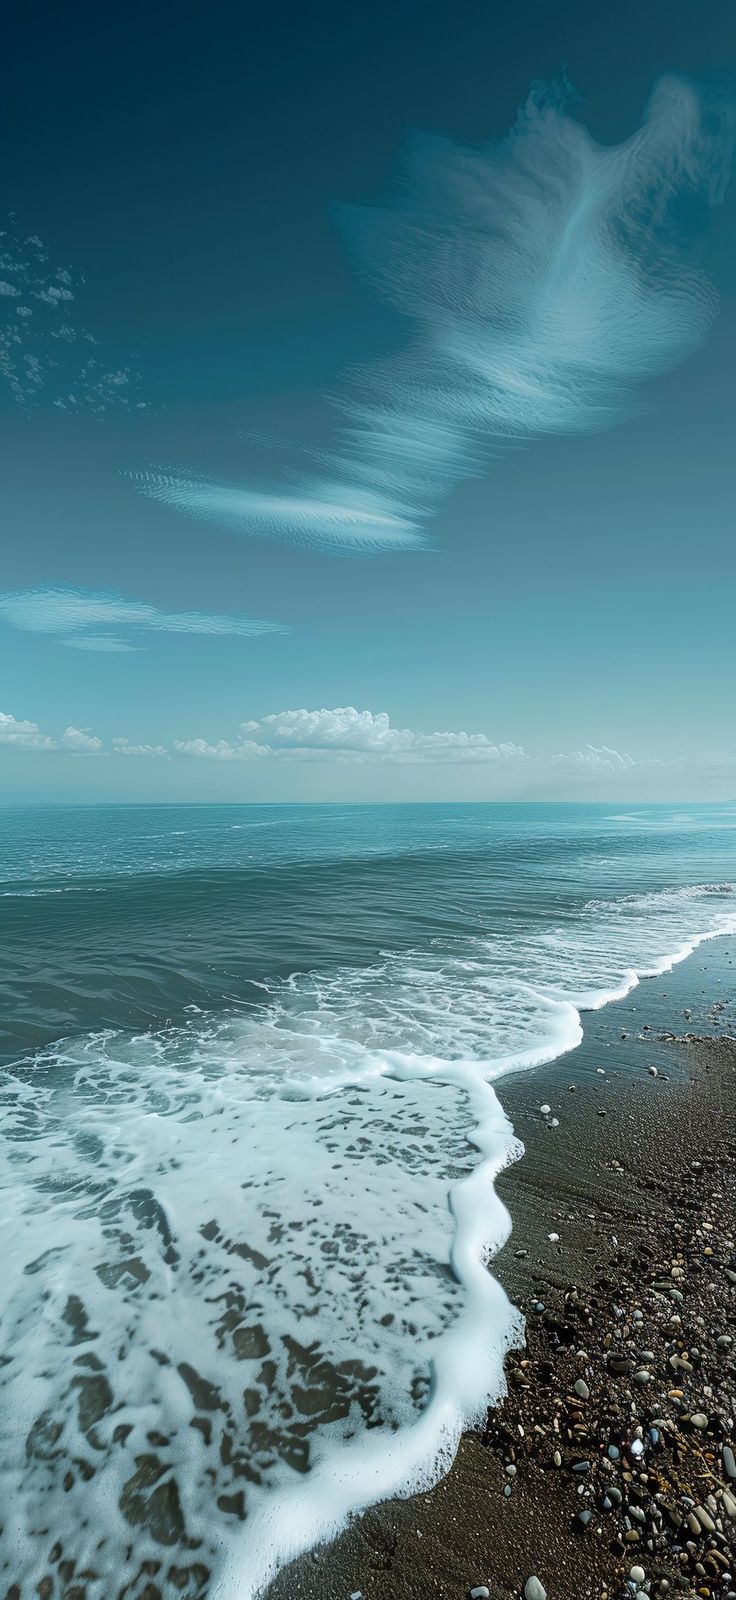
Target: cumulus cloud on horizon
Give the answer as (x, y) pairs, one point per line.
(543, 279)
(597, 758)
(343, 733)
(25, 735)
(84, 620)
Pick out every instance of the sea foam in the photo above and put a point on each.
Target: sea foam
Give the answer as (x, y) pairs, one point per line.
(246, 1289)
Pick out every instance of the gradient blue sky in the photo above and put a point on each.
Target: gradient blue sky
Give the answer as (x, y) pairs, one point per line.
(443, 437)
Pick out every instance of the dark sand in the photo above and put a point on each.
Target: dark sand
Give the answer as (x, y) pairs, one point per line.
(639, 1181)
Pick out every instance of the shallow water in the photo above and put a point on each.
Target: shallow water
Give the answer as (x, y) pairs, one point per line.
(251, 1141)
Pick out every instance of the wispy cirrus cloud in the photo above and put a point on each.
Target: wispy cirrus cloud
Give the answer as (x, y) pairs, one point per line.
(47, 355)
(345, 734)
(544, 280)
(85, 620)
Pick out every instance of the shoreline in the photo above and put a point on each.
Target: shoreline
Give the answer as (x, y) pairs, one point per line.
(608, 1179)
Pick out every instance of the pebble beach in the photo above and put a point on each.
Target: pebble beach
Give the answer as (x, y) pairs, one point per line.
(608, 1471)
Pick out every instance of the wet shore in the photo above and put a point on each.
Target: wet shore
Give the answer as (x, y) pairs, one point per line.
(608, 1469)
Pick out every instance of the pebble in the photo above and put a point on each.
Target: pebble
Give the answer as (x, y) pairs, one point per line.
(728, 1462)
(553, 1237)
(480, 1592)
(545, 1109)
(637, 1574)
(581, 1389)
(699, 1419)
(534, 1590)
(584, 1518)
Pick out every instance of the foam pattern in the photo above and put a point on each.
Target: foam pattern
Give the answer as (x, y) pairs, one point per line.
(245, 1285)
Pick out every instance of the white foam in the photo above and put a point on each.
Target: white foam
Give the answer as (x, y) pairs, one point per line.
(229, 1248)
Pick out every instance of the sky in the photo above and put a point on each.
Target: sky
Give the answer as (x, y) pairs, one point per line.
(366, 402)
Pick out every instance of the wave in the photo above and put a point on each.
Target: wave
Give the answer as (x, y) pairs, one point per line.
(247, 1289)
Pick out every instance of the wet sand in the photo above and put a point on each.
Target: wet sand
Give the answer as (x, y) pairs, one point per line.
(612, 1451)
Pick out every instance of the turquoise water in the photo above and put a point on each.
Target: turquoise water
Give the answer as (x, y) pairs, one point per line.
(251, 1136)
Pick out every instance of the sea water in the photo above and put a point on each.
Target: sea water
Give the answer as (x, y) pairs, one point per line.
(250, 1137)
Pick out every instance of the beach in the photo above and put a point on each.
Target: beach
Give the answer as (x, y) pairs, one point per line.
(610, 1453)
(268, 1077)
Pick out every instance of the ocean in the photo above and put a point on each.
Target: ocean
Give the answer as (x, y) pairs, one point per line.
(250, 1061)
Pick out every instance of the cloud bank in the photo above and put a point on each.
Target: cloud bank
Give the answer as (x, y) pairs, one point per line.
(543, 279)
(46, 354)
(83, 620)
(346, 734)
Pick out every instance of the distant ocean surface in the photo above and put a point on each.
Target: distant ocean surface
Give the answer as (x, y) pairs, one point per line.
(250, 1138)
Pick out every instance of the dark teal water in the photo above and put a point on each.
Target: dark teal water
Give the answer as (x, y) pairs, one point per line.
(122, 916)
(250, 1137)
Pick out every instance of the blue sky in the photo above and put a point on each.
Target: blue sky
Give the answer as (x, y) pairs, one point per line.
(367, 403)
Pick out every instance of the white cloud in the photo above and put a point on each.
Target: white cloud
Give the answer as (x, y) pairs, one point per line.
(26, 735)
(242, 750)
(74, 616)
(123, 747)
(595, 758)
(346, 734)
(544, 279)
(80, 739)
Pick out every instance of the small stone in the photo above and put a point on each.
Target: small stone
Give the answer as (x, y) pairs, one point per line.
(534, 1590)
(480, 1592)
(581, 1389)
(584, 1517)
(545, 1109)
(557, 1458)
(699, 1420)
(653, 1073)
(581, 1466)
(637, 1574)
(553, 1238)
(728, 1462)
